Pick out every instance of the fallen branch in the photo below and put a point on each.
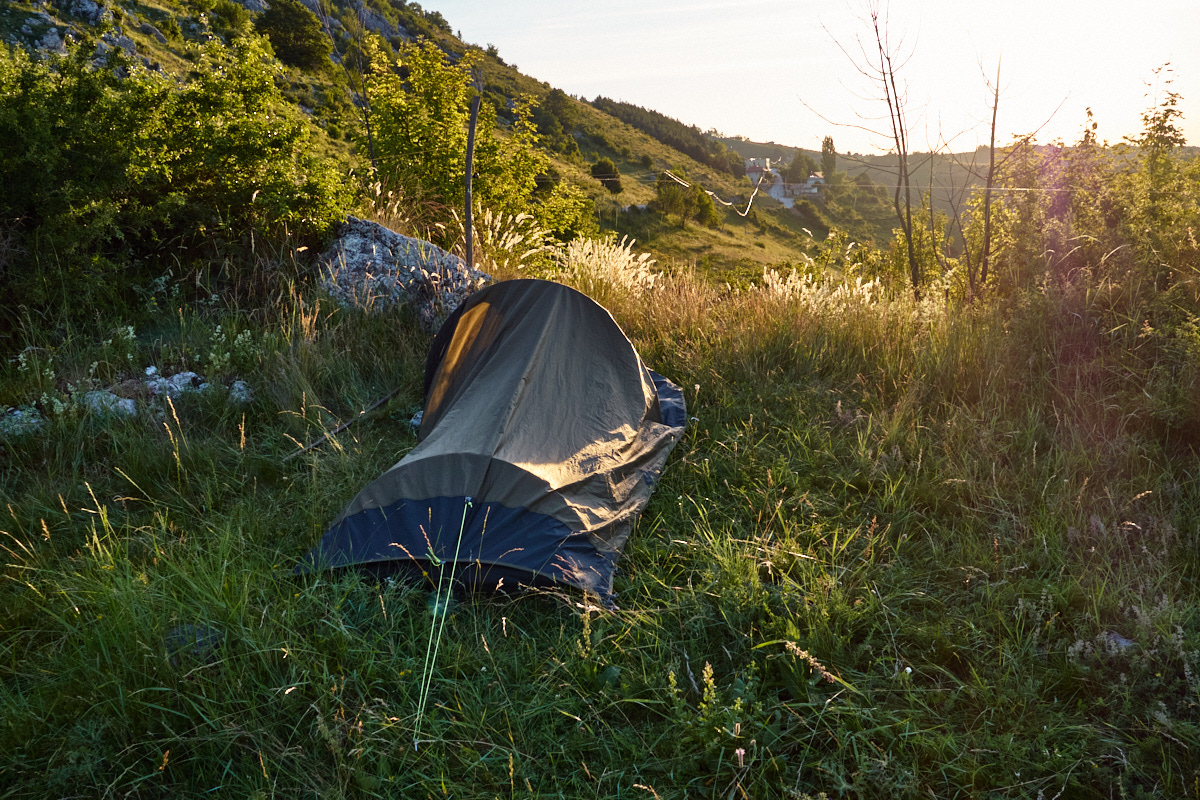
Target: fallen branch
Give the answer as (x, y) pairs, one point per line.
(343, 426)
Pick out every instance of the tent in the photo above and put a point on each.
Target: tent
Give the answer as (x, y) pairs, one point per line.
(541, 440)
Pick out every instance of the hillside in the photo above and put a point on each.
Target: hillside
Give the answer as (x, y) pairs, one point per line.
(164, 36)
(931, 530)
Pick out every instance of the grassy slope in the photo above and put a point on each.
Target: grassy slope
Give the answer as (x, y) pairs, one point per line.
(867, 488)
(905, 499)
(751, 246)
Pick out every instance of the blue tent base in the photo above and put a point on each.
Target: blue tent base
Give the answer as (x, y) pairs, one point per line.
(420, 538)
(491, 578)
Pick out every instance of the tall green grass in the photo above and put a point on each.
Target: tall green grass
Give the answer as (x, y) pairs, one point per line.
(904, 550)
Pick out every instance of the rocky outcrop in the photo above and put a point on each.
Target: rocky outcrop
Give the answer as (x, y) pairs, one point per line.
(372, 267)
(124, 399)
(373, 20)
(44, 33)
(89, 11)
(51, 42)
(150, 30)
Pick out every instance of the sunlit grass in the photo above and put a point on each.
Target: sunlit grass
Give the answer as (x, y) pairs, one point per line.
(902, 551)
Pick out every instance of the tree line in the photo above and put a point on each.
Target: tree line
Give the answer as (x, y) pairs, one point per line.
(687, 139)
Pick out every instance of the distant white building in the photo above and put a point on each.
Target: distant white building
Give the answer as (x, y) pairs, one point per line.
(774, 185)
(755, 169)
(810, 188)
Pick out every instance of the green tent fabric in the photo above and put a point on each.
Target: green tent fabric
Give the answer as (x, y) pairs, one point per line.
(542, 438)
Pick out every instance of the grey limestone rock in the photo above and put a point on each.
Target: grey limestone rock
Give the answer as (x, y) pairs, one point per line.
(51, 41)
(375, 21)
(240, 394)
(150, 30)
(117, 39)
(107, 403)
(87, 10)
(175, 385)
(20, 421)
(372, 267)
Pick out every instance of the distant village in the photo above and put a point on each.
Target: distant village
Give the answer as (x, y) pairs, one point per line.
(773, 184)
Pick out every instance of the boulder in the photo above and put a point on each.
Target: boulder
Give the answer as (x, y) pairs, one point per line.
(87, 10)
(115, 38)
(107, 403)
(175, 385)
(373, 20)
(372, 267)
(51, 41)
(20, 421)
(240, 394)
(150, 30)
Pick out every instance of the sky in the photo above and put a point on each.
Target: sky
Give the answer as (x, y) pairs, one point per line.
(778, 70)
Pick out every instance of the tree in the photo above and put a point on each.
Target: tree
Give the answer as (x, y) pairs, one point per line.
(985, 257)
(879, 61)
(420, 103)
(801, 167)
(109, 177)
(828, 160)
(672, 197)
(1160, 132)
(605, 171)
(563, 108)
(737, 164)
(296, 34)
(1162, 201)
(705, 210)
(977, 226)
(555, 118)
(689, 201)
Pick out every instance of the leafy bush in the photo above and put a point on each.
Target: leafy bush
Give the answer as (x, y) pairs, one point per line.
(296, 35)
(687, 201)
(106, 180)
(556, 121)
(421, 107)
(1098, 244)
(230, 17)
(605, 171)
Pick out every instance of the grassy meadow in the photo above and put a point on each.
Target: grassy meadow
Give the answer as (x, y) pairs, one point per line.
(933, 540)
(905, 549)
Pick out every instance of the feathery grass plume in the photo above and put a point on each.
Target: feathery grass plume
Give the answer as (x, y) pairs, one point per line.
(827, 294)
(507, 245)
(600, 267)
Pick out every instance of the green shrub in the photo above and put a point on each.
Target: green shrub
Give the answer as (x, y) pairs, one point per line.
(296, 35)
(230, 17)
(107, 180)
(421, 107)
(605, 171)
(170, 28)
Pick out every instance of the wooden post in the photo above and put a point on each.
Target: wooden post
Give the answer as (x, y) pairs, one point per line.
(471, 169)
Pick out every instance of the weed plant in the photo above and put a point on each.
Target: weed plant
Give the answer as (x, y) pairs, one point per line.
(904, 550)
